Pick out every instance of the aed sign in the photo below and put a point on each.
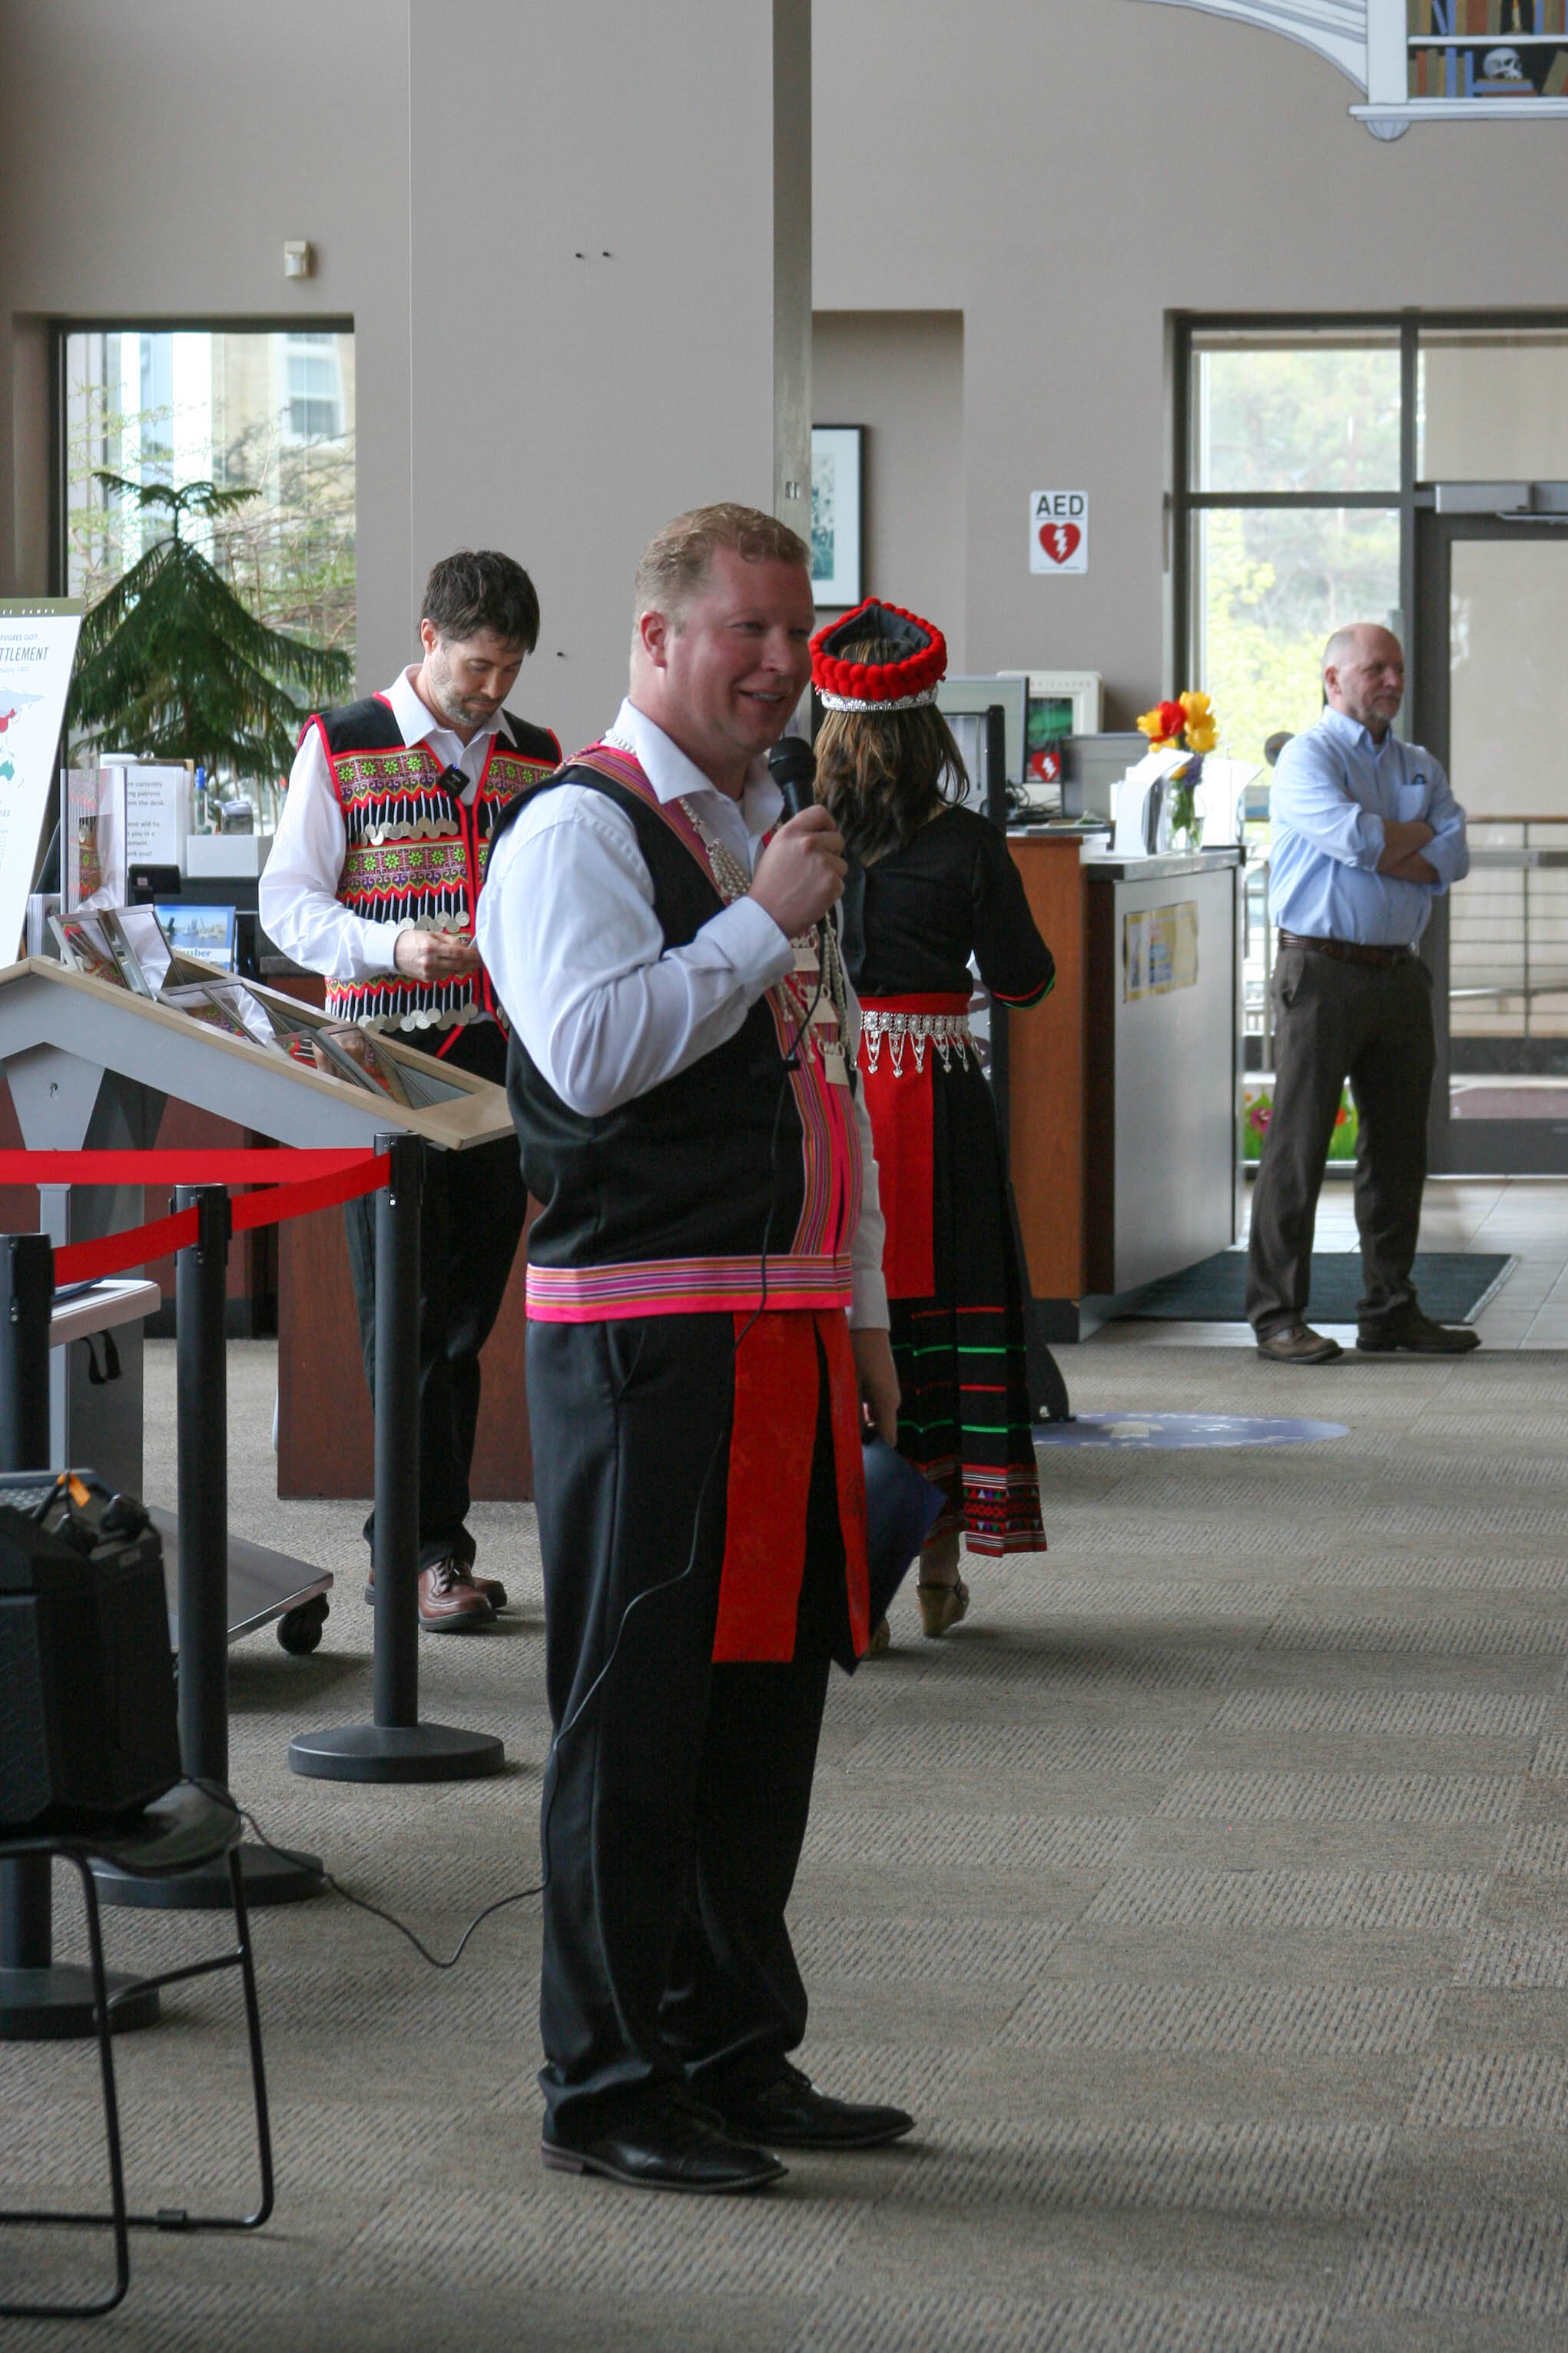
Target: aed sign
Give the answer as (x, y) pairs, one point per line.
(1058, 531)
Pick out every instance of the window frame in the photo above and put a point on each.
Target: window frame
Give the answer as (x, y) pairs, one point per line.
(129, 323)
(1184, 505)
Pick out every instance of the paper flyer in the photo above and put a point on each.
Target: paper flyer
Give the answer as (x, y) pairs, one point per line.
(1159, 950)
(38, 647)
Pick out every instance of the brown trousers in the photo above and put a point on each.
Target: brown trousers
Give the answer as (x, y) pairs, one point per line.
(1371, 1024)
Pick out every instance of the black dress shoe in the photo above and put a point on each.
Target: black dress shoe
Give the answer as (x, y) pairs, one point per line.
(672, 2144)
(787, 2108)
(1421, 1336)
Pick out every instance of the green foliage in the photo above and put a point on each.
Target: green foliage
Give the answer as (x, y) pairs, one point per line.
(1301, 417)
(1275, 582)
(173, 665)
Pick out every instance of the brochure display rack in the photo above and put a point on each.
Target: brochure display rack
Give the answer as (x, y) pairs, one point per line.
(91, 1060)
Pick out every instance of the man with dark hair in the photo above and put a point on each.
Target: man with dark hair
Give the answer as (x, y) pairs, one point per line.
(706, 1315)
(375, 881)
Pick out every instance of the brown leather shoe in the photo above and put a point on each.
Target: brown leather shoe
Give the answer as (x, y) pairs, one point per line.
(1298, 1344)
(491, 1588)
(449, 1600)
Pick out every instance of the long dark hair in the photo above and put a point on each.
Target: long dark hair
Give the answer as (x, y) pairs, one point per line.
(880, 774)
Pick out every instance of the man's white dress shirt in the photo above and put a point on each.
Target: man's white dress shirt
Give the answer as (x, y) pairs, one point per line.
(299, 899)
(570, 939)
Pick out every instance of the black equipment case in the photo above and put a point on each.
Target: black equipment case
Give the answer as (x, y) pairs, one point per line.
(88, 1727)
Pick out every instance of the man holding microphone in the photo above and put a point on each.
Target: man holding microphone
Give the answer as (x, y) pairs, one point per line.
(707, 1324)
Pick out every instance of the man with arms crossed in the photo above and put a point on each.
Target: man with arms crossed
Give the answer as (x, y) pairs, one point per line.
(375, 880)
(681, 1079)
(1365, 835)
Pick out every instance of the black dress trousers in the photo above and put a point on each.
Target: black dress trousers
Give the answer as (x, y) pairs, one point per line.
(677, 1793)
(472, 1213)
(1371, 1024)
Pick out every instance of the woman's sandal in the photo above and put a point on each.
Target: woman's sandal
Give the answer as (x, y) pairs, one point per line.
(942, 1605)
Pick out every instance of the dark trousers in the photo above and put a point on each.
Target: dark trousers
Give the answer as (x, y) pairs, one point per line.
(1371, 1024)
(677, 1791)
(471, 1219)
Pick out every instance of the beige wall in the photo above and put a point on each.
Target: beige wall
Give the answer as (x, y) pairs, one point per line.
(1064, 175)
(1058, 176)
(901, 375)
(450, 160)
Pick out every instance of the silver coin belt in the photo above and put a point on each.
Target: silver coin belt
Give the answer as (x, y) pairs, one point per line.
(949, 1033)
(734, 883)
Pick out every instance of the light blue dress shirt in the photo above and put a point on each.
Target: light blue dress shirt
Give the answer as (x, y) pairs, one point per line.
(1331, 791)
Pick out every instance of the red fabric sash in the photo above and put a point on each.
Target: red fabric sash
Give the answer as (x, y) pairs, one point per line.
(900, 1105)
(771, 1447)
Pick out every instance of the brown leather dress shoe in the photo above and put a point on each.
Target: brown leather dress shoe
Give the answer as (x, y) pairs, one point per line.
(449, 1600)
(491, 1588)
(1298, 1344)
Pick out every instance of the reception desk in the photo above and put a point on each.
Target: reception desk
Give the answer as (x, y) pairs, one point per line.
(1122, 1087)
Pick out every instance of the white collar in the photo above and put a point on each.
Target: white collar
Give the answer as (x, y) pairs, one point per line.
(1354, 731)
(415, 718)
(673, 775)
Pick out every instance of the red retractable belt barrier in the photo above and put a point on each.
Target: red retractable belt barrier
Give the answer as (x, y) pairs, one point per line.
(336, 1174)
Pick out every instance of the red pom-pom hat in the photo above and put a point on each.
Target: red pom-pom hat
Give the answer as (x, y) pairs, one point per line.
(905, 683)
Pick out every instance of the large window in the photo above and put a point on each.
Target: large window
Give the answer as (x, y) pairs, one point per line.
(271, 412)
(1308, 456)
(1293, 490)
(1304, 447)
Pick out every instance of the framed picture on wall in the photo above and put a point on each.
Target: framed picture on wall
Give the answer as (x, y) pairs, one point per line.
(837, 513)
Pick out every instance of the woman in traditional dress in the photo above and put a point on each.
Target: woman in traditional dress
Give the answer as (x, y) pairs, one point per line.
(931, 884)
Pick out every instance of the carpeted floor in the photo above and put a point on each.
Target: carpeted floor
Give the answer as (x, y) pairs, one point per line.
(1207, 1895)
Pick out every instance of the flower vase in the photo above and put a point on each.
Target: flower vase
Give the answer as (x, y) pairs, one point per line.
(1186, 825)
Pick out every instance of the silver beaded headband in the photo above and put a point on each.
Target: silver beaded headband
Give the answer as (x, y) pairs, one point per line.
(903, 703)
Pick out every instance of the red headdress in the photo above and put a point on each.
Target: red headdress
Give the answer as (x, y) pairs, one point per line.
(905, 682)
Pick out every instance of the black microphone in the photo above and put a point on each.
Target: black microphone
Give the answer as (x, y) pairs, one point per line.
(792, 764)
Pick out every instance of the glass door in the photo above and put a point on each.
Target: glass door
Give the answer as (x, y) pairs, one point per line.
(1491, 702)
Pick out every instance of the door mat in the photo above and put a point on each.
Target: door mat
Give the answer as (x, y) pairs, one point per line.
(1453, 1286)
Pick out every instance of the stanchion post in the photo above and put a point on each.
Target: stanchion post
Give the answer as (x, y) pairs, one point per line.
(201, 1392)
(201, 1407)
(396, 1548)
(396, 1746)
(40, 1999)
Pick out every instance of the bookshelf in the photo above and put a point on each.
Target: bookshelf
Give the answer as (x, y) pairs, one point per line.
(1427, 60)
(1487, 49)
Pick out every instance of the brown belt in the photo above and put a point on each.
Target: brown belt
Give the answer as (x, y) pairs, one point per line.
(1347, 951)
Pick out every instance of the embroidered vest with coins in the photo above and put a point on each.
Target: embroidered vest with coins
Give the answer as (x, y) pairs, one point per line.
(416, 852)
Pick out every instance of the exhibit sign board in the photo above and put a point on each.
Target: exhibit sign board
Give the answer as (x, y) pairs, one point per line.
(38, 648)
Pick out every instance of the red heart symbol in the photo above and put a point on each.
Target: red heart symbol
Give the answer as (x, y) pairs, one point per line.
(1060, 539)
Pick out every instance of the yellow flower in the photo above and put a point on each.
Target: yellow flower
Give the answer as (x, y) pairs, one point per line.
(1201, 732)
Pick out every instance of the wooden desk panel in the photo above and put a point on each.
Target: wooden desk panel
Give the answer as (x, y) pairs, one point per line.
(326, 1437)
(1046, 1076)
